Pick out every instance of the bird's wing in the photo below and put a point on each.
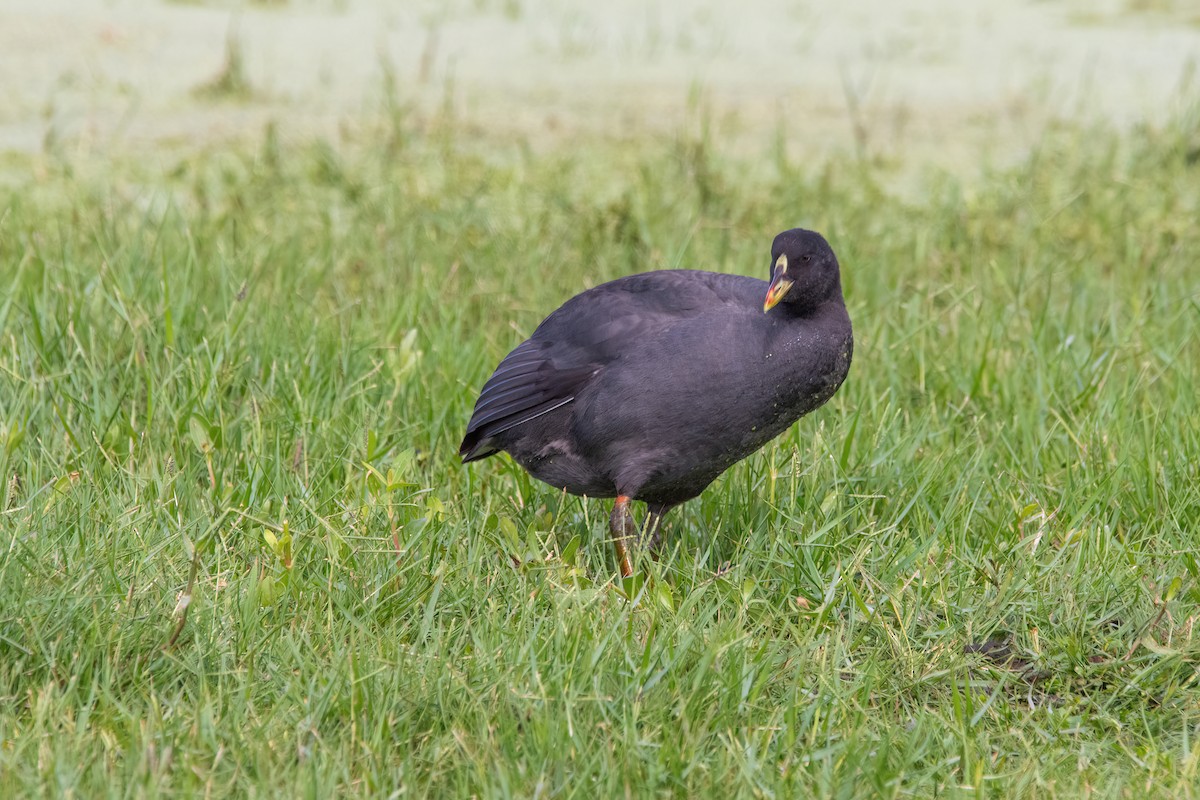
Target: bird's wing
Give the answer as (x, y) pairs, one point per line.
(573, 345)
(527, 384)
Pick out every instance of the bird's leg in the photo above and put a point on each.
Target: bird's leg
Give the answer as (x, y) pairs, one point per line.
(652, 534)
(624, 532)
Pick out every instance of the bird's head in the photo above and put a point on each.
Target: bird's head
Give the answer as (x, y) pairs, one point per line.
(804, 271)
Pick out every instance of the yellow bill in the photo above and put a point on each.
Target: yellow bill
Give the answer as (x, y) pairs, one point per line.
(778, 288)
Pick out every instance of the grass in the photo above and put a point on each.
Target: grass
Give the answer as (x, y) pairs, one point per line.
(240, 381)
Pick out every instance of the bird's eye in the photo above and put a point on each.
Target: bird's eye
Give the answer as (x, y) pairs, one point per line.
(807, 258)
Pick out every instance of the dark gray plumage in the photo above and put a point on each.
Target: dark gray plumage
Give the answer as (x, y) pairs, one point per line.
(650, 386)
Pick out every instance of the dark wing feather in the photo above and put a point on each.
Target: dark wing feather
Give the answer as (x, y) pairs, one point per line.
(577, 341)
(526, 385)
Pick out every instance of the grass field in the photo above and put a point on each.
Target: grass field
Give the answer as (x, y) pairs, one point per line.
(974, 572)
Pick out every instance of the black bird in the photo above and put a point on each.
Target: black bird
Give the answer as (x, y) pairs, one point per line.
(650, 386)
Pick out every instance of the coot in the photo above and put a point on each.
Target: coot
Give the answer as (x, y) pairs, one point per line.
(650, 386)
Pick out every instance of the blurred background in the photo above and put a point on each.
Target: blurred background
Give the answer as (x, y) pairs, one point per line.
(946, 82)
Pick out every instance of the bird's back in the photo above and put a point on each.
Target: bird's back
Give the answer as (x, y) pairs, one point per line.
(587, 333)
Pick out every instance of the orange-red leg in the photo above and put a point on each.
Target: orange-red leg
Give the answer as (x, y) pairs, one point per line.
(623, 533)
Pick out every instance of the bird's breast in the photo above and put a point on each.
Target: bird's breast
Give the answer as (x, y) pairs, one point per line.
(805, 370)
